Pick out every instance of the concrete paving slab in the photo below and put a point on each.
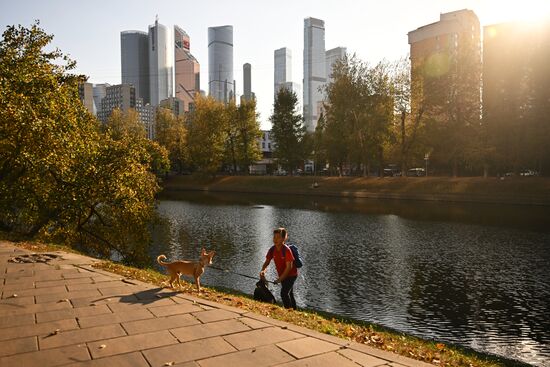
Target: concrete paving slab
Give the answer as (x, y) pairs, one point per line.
(215, 315)
(268, 355)
(259, 337)
(174, 309)
(186, 352)
(80, 336)
(159, 323)
(18, 320)
(131, 343)
(201, 331)
(15, 346)
(362, 359)
(307, 347)
(323, 360)
(72, 313)
(114, 318)
(41, 330)
(60, 297)
(48, 358)
(135, 359)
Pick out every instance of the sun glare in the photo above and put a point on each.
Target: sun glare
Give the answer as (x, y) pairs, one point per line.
(523, 11)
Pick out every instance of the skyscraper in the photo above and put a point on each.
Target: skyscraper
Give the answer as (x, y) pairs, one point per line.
(187, 69)
(283, 67)
(332, 56)
(135, 62)
(247, 82)
(446, 60)
(160, 63)
(220, 63)
(314, 70)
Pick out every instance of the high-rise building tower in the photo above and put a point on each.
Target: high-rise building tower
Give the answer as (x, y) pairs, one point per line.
(135, 62)
(220, 63)
(314, 70)
(187, 69)
(160, 63)
(85, 92)
(332, 56)
(283, 67)
(446, 61)
(247, 82)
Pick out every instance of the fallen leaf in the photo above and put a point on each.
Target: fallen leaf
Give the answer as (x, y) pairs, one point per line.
(55, 332)
(14, 295)
(63, 300)
(169, 363)
(102, 346)
(440, 346)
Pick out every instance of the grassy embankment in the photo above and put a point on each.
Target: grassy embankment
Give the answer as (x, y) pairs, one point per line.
(516, 190)
(433, 352)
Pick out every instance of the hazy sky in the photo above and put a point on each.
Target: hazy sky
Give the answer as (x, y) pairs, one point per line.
(90, 31)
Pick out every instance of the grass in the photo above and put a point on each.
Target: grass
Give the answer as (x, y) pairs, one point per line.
(433, 352)
(517, 190)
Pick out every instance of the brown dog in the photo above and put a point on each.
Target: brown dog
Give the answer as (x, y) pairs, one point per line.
(191, 268)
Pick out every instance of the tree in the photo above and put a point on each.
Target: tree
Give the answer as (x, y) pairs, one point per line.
(359, 112)
(171, 133)
(207, 135)
(287, 130)
(62, 176)
(248, 134)
(409, 128)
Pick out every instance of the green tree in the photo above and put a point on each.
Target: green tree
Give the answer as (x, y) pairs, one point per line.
(61, 175)
(248, 134)
(409, 128)
(171, 133)
(287, 130)
(207, 135)
(359, 112)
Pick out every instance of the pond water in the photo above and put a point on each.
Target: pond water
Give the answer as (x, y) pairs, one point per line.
(472, 275)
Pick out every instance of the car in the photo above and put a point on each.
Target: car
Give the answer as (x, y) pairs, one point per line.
(528, 172)
(392, 171)
(416, 172)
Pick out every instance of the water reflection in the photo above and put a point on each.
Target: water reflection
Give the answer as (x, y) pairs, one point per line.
(472, 275)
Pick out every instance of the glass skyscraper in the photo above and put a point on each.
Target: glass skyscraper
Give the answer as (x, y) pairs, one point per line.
(314, 70)
(135, 62)
(220, 63)
(283, 68)
(160, 63)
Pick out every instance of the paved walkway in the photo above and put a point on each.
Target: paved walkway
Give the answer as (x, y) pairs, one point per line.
(64, 312)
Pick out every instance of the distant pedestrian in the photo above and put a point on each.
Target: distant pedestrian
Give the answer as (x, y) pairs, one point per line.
(284, 263)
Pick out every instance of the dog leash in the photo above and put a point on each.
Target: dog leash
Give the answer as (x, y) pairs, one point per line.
(243, 275)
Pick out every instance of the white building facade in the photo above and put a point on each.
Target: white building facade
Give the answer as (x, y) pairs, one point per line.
(160, 63)
(314, 70)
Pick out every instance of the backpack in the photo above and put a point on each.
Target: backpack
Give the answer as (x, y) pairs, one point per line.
(298, 262)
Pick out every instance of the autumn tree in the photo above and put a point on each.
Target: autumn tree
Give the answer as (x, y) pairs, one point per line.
(248, 133)
(62, 176)
(287, 130)
(359, 112)
(171, 133)
(207, 135)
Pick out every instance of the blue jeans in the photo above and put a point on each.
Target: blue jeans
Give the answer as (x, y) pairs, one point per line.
(287, 295)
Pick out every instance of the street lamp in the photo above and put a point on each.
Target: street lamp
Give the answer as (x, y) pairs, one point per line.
(427, 158)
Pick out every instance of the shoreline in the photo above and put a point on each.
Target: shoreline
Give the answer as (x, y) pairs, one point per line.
(341, 329)
(511, 191)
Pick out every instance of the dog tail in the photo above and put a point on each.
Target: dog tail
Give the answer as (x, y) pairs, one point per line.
(160, 258)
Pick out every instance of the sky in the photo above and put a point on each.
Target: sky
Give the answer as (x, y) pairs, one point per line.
(89, 31)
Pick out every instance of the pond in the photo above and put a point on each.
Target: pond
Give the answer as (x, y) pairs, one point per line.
(472, 275)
